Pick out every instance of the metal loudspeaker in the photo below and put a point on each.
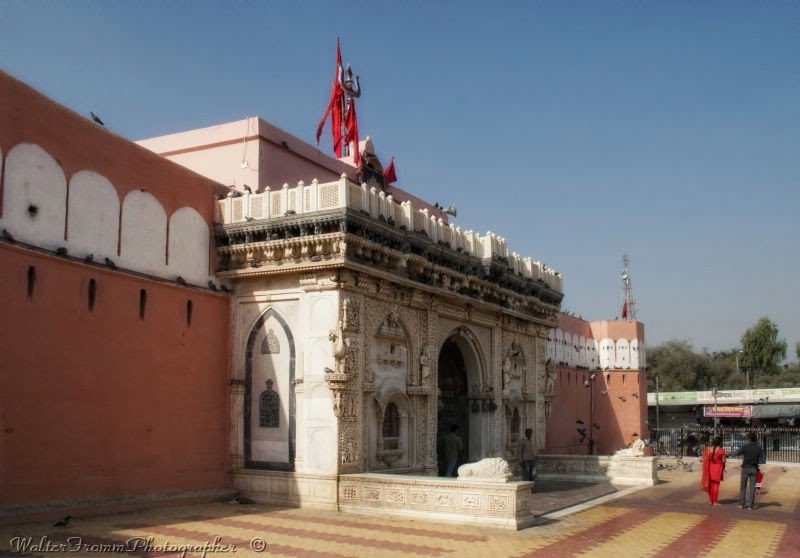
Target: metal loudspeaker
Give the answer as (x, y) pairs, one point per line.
(451, 210)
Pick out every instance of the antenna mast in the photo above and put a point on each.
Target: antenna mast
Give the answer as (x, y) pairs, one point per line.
(628, 303)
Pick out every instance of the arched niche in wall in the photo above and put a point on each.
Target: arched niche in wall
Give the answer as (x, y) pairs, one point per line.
(551, 344)
(635, 354)
(569, 350)
(623, 354)
(582, 351)
(269, 377)
(392, 431)
(560, 346)
(188, 246)
(642, 355)
(591, 354)
(390, 354)
(143, 237)
(92, 216)
(34, 197)
(606, 354)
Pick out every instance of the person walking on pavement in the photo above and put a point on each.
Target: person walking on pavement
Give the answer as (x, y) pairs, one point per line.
(452, 446)
(752, 455)
(526, 454)
(713, 470)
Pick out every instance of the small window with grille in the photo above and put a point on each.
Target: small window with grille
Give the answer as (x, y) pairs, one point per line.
(391, 427)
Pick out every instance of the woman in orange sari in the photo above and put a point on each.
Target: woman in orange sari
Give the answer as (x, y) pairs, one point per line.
(713, 470)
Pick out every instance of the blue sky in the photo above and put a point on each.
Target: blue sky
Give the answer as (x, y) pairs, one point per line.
(580, 131)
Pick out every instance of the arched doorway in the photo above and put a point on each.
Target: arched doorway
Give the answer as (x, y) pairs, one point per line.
(453, 399)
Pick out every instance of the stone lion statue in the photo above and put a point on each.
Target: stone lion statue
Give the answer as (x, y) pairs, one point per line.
(492, 469)
(636, 450)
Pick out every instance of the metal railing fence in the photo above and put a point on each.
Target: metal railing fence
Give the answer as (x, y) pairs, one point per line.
(779, 443)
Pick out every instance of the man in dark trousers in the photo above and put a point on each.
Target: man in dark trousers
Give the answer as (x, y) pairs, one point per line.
(752, 455)
(527, 456)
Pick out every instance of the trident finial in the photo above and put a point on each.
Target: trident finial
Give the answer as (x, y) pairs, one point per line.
(346, 82)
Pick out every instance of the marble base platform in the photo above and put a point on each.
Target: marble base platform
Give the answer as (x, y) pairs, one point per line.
(491, 504)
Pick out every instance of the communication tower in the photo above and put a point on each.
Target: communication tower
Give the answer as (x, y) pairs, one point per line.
(628, 303)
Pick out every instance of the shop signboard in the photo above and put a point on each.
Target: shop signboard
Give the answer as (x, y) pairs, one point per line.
(729, 411)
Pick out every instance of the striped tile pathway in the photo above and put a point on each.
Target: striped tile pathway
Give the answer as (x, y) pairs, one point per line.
(672, 519)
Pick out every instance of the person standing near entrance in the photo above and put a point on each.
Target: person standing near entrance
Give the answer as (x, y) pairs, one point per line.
(526, 454)
(752, 455)
(452, 446)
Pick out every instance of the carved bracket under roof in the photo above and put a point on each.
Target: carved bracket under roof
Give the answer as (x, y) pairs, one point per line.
(338, 238)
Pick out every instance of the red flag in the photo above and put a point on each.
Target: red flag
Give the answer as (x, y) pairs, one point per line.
(389, 174)
(351, 125)
(625, 310)
(334, 107)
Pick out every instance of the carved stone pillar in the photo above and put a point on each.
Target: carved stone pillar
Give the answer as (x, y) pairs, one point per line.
(496, 439)
(431, 317)
(237, 425)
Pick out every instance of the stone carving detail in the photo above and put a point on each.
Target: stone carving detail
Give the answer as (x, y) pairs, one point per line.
(498, 503)
(350, 492)
(541, 351)
(550, 371)
(425, 364)
(349, 450)
(395, 496)
(494, 469)
(350, 314)
(308, 278)
(344, 405)
(371, 493)
(269, 408)
(443, 499)
(471, 501)
(270, 344)
(420, 498)
(339, 347)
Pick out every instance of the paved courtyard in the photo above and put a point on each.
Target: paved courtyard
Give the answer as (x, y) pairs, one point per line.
(671, 519)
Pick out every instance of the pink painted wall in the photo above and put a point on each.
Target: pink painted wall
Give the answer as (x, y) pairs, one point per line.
(274, 158)
(620, 396)
(105, 402)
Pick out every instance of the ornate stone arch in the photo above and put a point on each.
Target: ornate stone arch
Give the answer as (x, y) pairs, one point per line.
(393, 347)
(474, 357)
(396, 450)
(251, 405)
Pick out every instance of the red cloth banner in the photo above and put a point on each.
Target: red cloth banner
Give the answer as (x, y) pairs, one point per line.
(389, 174)
(351, 125)
(334, 108)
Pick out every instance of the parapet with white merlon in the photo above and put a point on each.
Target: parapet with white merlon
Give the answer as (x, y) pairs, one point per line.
(307, 200)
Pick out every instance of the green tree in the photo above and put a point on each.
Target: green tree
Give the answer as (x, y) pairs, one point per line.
(763, 352)
(680, 368)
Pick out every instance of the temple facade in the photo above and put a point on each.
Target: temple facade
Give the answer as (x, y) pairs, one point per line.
(281, 317)
(365, 324)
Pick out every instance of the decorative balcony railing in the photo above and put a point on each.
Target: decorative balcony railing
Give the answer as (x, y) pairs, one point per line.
(317, 197)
